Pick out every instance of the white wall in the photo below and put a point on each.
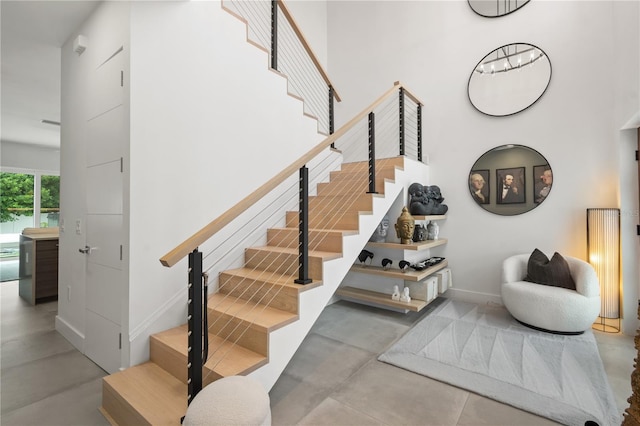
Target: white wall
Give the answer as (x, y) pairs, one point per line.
(32, 157)
(209, 124)
(311, 17)
(433, 46)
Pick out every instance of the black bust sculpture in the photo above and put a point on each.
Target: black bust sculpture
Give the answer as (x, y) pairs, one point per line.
(426, 200)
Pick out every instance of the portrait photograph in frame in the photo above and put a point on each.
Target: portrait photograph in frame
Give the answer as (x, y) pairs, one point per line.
(479, 186)
(542, 182)
(510, 185)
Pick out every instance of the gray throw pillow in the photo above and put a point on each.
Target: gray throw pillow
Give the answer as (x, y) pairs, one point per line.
(554, 272)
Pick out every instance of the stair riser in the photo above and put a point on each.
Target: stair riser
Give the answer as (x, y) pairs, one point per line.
(362, 203)
(277, 296)
(380, 163)
(242, 332)
(339, 220)
(281, 263)
(118, 409)
(341, 176)
(318, 240)
(175, 362)
(354, 188)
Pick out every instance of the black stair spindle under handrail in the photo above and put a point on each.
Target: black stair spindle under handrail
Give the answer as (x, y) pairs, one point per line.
(372, 153)
(194, 382)
(331, 113)
(303, 228)
(419, 132)
(401, 120)
(274, 34)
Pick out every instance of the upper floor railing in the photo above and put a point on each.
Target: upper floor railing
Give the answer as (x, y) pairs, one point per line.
(272, 27)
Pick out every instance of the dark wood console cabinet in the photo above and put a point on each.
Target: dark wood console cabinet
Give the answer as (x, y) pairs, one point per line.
(38, 268)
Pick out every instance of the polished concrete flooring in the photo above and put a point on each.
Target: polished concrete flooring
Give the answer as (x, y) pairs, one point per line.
(334, 378)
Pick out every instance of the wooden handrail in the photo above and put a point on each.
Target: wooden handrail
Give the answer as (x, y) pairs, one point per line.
(191, 243)
(307, 47)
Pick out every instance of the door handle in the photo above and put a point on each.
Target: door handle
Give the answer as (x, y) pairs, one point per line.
(87, 249)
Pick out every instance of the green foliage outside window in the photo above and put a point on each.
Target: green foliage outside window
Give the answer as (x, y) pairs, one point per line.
(16, 195)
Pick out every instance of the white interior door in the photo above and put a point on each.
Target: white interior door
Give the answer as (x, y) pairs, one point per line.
(105, 236)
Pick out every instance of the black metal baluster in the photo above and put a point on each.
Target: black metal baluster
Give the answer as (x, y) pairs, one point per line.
(419, 132)
(372, 153)
(303, 228)
(194, 383)
(274, 34)
(331, 113)
(401, 120)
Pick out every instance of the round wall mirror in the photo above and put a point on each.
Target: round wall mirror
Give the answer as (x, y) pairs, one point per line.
(509, 79)
(510, 180)
(495, 8)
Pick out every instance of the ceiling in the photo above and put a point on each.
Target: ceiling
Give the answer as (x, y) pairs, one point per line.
(32, 33)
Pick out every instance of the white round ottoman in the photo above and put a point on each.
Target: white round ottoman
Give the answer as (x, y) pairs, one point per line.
(234, 400)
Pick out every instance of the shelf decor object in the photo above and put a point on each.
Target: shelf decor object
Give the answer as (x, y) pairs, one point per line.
(603, 250)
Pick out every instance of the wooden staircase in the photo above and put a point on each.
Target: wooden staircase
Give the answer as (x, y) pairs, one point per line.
(251, 302)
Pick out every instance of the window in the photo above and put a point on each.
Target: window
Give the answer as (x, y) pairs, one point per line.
(27, 199)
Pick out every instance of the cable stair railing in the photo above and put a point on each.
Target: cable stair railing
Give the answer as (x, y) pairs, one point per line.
(278, 266)
(272, 28)
(245, 279)
(290, 235)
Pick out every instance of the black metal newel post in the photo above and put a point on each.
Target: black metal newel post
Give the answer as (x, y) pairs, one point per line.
(303, 228)
(401, 120)
(419, 132)
(372, 153)
(331, 113)
(274, 34)
(194, 382)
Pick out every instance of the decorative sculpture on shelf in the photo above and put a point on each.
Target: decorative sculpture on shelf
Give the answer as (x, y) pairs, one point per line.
(426, 200)
(432, 231)
(396, 293)
(420, 233)
(386, 263)
(364, 255)
(404, 265)
(380, 234)
(404, 297)
(405, 226)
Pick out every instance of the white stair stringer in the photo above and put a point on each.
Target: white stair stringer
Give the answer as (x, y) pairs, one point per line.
(284, 342)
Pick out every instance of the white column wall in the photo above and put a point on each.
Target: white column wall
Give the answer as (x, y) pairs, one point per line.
(107, 26)
(433, 46)
(209, 124)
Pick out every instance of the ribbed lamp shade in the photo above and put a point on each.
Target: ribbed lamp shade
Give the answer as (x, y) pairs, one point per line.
(603, 249)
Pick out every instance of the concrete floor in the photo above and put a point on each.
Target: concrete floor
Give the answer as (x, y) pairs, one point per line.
(334, 378)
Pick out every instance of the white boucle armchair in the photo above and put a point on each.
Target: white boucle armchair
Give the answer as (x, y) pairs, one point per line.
(554, 309)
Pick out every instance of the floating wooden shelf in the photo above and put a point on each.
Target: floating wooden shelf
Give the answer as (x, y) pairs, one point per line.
(410, 275)
(421, 245)
(361, 295)
(431, 217)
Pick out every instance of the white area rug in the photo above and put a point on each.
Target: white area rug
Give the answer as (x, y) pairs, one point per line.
(484, 350)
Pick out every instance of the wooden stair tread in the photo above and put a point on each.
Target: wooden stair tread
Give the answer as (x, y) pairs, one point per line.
(382, 162)
(259, 315)
(324, 255)
(154, 394)
(343, 232)
(285, 280)
(225, 358)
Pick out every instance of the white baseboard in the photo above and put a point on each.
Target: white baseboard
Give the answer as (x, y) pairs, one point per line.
(472, 296)
(70, 333)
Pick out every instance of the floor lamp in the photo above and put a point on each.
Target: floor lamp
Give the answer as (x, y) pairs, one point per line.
(603, 249)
